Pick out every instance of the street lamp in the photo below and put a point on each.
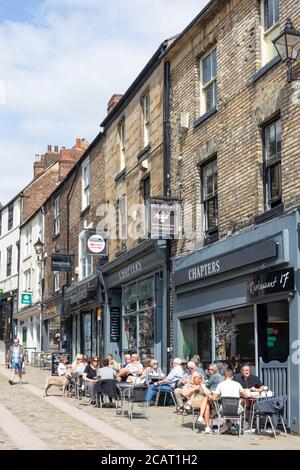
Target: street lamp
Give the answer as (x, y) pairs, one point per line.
(39, 250)
(287, 44)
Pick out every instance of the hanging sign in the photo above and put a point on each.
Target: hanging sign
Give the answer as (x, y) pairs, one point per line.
(96, 243)
(163, 221)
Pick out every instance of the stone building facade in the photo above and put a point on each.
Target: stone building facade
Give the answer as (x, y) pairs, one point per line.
(135, 276)
(234, 144)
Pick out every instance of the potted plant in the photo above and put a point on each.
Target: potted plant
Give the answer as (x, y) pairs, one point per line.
(187, 351)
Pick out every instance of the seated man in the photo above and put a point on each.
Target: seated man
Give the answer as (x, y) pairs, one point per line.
(168, 384)
(249, 382)
(187, 374)
(214, 377)
(229, 388)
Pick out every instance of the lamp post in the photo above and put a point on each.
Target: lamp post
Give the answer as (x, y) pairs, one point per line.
(39, 250)
(287, 44)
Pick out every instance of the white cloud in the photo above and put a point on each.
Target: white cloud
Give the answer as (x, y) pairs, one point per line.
(61, 69)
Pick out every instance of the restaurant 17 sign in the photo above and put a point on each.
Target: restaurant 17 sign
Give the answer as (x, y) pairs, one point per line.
(271, 283)
(164, 218)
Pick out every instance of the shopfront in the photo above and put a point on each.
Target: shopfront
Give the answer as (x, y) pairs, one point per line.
(239, 297)
(135, 320)
(28, 328)
(51, 335)
(84, 318)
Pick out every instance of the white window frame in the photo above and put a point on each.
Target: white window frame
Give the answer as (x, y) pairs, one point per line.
(28, 241)
(268, 50)
(122, 145)
(204, 87)
(56, 276)
(27, 280)
(57, 215)
(86, 177)
(123, 218)
(85, 261)
(146, 118)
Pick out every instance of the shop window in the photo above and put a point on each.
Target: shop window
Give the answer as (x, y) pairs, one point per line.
(270, 28)
(273, 331)
(234, 335)
(272, 161)
(139, 316)
(208, 82)
(209, 175)
(196, 338)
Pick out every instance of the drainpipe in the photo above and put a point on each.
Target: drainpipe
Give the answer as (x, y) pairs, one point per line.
(166, 160)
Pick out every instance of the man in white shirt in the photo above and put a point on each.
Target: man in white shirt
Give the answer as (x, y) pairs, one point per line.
(169, 383)
(229, 388)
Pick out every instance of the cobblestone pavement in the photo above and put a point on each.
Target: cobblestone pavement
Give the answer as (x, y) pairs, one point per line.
(59, 429)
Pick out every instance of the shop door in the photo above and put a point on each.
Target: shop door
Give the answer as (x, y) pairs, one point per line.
(273, 347)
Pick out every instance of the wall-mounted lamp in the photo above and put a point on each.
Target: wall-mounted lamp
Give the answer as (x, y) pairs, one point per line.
(287, 44)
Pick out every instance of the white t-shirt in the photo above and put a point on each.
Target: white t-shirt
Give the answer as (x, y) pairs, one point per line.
(61, 369)
(229, 388)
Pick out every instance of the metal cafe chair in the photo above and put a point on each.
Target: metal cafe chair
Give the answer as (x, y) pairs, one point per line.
(269, 411)
(137, 394)
(230, 411)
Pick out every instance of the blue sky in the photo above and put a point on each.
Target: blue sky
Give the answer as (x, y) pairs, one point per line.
(60, 62)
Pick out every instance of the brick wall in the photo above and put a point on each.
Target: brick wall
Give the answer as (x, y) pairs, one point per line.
(234, 132)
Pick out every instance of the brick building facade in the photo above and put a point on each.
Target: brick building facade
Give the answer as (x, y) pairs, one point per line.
(234, 144)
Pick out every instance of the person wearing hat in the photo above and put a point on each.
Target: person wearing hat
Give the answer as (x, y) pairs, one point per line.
(169, 383)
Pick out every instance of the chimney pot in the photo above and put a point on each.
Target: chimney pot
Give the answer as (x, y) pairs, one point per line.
(49, 148)
(78, 143)
(114, 100)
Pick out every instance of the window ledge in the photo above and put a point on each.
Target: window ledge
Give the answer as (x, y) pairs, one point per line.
(120, 175)
(258, 219)
(56, 236)
(144, 151)
(265, 68)
(120, 252)
(85, 210)
(204, 117)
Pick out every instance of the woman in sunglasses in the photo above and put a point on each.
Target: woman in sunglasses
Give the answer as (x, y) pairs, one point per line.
(90, 376)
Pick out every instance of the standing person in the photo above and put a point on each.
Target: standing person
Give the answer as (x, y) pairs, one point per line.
(15, 359)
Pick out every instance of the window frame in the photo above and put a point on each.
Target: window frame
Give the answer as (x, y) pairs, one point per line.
(57, 212)
(85, 182)
(267, 28)
(56, 281)
(122, 144)
(146, 118)
(28, 241)
(268, 50)
(9, 256)
(214, 197)
(27, 281)
(10, 217)
(211, 82)
(269, 164)
(85, 261)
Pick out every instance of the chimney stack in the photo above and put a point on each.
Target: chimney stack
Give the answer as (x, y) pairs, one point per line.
(114, 100)
(55, 148)
(78, 143)
(49, 149)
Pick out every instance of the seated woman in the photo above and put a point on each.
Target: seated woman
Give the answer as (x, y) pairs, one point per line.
(197, 394)
(131, 371)
(90, 376)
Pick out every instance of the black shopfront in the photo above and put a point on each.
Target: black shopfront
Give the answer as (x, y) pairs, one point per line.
(83, 318)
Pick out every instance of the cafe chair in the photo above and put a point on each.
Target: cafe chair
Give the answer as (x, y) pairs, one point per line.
(269, 411)
(230, 410)
(137, 394)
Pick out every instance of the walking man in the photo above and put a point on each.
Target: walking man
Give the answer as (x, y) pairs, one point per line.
(15, 359)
